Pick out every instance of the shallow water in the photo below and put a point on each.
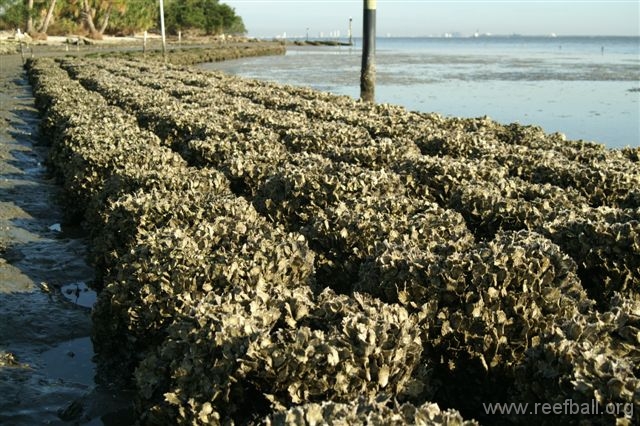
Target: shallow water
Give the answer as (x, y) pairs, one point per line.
(80, 294)
(586, 88)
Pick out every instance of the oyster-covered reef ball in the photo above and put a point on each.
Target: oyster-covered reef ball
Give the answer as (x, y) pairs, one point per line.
(269, 254)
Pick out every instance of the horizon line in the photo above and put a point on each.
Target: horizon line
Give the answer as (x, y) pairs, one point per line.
(447, 35)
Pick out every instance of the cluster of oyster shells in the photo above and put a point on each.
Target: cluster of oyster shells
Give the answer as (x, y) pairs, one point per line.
(197, 55)
(360, 412)
(275, 254)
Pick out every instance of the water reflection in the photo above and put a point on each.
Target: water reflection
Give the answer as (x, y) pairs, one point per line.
(574, 90)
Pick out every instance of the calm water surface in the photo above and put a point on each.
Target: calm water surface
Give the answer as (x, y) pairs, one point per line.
(585, 87)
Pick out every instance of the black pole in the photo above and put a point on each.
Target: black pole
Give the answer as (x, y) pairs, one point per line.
(368, 73)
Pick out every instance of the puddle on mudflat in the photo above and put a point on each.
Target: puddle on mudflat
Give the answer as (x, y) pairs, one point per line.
(70, 361)
(79, 294)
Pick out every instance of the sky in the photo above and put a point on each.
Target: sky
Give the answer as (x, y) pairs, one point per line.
(270, 18)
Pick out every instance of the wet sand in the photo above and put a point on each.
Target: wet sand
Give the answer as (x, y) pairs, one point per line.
(46, 368)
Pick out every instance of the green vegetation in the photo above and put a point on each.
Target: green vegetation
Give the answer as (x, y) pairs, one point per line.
(209, 16)
(98, 17)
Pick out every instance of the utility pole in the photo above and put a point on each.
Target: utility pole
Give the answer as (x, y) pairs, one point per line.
(164, 38)
(368, 72)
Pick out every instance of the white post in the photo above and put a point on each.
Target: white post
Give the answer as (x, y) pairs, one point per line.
(164, 39)
(144, 43)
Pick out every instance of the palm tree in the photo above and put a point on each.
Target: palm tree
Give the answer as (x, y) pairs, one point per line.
(47, 19)
(29, 16)
(98, 12)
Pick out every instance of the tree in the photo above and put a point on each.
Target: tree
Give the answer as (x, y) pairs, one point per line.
(14, 14)
(47, 19)
(140, 15)
(34, 16)
(98, 12)
(97, 17)
(29, 16)
(208, 16)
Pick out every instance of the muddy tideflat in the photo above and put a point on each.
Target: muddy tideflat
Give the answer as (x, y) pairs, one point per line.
(45, 351)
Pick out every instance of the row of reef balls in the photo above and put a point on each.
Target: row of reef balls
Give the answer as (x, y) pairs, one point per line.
(274, 254)
(486, 192)
(189, 55)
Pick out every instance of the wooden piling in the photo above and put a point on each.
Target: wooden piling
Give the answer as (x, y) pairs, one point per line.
(21, 49)
(144, 43)
(368, 72)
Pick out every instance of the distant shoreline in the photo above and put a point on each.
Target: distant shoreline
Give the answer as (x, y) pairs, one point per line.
(319, 43)
(453, 37)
